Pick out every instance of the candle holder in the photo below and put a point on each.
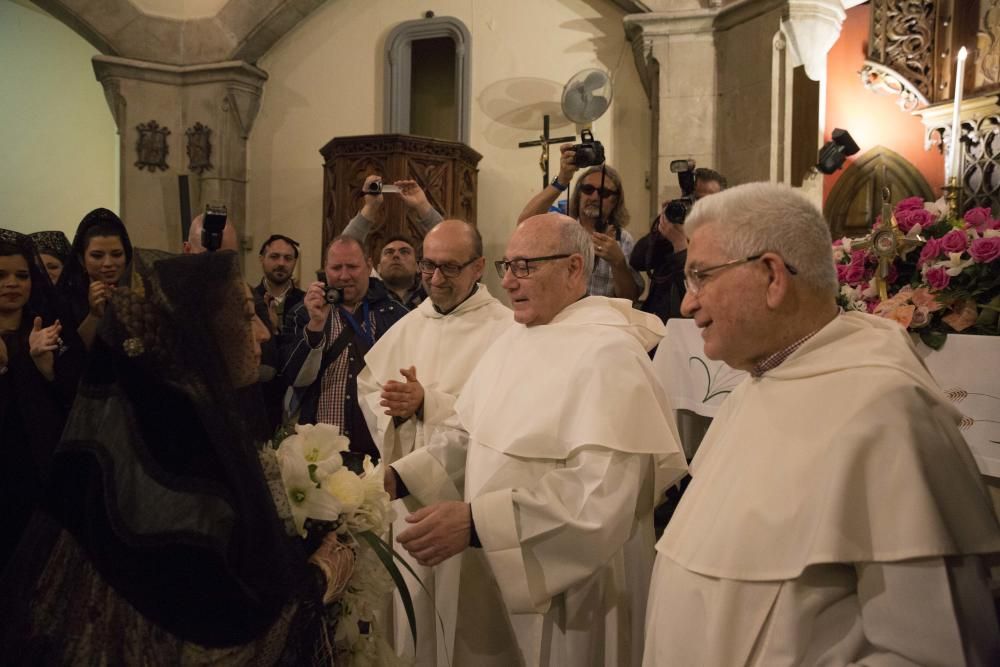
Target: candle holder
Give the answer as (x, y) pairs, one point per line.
(952, 195)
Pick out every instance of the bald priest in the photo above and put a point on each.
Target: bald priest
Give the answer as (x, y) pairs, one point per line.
(411, 379)
(566, 441)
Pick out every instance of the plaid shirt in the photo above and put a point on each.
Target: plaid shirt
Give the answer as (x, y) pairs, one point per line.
(601, 281)
(338, 379)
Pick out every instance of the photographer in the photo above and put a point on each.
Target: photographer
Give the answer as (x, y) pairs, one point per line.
(597, 203)
(413, 197)
(663, 251)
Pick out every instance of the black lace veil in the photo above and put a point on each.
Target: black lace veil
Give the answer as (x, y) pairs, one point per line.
(157, 475)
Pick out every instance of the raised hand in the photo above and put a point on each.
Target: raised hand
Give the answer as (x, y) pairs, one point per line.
(403, 399)
(414, 197)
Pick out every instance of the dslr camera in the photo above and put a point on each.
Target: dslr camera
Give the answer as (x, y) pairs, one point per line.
(677, 210)
(334, 295)
(589, 152)
(214, 222)
(377, 188)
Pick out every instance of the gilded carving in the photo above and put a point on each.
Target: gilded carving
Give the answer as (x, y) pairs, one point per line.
(151, 146)
(902, 38)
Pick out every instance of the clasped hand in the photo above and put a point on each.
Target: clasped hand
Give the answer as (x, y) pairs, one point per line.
(437, 532)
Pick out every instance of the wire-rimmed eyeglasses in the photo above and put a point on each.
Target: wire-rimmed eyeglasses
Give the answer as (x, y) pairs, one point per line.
(695, 279)
(521, 267)
(448, 270)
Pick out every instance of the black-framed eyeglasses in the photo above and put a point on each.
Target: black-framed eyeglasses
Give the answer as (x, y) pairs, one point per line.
(521, 267)
(448, 270)
(589, 189)
(695, 279)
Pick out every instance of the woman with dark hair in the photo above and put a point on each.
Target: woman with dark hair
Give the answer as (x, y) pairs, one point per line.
(55, 252)
(38, 376)
(101, 255)
(178, 545)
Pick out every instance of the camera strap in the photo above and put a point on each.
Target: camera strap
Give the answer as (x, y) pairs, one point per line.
(364, 329)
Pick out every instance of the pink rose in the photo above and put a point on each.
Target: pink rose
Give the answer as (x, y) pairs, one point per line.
(978, 218)
(859, 257)
(937, 278)
(854, 274)
(908, 219)
(930, 252)
(838, 242)
(842, 272)
(985, 250)
(872, 305)
(954, 241)
(994, 224)
(909, 204)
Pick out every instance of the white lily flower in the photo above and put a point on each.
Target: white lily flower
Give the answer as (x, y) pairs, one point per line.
(306, 499)
(316, 444)
(954, 265)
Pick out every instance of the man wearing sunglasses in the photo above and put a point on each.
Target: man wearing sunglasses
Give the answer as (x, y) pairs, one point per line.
(836, 515)
(598, 203)
(565, 440)
(411, 379)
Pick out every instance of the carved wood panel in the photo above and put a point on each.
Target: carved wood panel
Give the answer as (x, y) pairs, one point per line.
(446, 170)
(856, 198)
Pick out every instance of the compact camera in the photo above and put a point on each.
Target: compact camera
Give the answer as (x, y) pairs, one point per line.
(214, 222)
(334, 295)
(676, 210)
(589, 152)
(377, 188)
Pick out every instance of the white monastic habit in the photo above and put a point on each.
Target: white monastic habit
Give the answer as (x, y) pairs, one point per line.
(833, 518)
(444, 349)
(570, 442)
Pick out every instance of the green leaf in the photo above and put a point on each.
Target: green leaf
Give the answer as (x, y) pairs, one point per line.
(933, 339)
(385, 554)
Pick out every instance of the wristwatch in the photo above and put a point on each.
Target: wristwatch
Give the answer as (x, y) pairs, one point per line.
(557, 185)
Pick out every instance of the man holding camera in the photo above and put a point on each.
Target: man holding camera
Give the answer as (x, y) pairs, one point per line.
(597, 203)
(411, 194)
(336, 324)
(663, 251)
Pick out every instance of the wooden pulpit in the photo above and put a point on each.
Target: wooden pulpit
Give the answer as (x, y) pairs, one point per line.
(446, 170)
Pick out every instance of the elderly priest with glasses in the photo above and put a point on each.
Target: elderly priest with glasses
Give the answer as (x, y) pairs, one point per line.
(564, 441)
(411, 379)
(836, 515)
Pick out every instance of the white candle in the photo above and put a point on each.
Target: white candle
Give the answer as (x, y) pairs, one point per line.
(956, 122)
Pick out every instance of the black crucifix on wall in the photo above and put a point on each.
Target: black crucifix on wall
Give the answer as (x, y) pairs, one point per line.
(544, 140)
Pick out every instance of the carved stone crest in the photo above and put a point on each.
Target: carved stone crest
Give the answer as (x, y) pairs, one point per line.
(199, 148)
(152, 148)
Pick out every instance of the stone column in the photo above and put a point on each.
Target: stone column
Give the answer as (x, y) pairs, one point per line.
(223, 97)
(678, 49)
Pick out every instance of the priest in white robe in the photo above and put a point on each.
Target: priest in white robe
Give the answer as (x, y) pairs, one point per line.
(566, 442)
(836, 515)
(411, 379)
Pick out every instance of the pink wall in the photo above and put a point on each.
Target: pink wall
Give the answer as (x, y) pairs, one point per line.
(871, 119)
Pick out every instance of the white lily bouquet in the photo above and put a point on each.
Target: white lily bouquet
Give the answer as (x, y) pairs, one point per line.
(326, 495)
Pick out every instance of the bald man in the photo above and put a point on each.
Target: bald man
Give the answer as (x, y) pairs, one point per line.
(193, 245)
(566, 440)
(411, 380)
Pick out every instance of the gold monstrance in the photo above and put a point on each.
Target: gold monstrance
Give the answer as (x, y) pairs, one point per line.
(888, 243)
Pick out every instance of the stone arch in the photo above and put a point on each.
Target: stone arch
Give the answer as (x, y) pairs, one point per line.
(241, 30)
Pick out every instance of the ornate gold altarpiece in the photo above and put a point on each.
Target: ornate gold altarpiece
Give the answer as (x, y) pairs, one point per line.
(446, 170)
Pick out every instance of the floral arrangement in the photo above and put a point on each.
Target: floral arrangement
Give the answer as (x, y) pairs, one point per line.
(945, 279)
(326, 495)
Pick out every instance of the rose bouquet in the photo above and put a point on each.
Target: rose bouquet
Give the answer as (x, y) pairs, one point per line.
(326, 494)
(945, 279)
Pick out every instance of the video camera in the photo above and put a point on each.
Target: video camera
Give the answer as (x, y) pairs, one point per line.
(334, 295)
(213, 224)
(677, 210)
(589, 152)
(377, 188)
